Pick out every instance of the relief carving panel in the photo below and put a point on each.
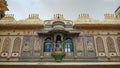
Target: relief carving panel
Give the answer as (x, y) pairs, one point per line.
(79, 47)
(100, 45)
(89, 46)
(27, 48)
(6, 45)
(0, 44)
(118, 42)
(16, 45)
(37, 46)
(110, 44)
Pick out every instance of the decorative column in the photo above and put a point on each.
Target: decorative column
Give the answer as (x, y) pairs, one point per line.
(74, 44)
(11, 46)
(20, 53)
(1, 42)
(42, 47)
(105, 45)
(116, 45)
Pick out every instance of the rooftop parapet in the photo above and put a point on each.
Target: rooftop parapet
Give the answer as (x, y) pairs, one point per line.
(8, 17)
(83, 16)
(58, 17)
(109, 16)
(33, 16)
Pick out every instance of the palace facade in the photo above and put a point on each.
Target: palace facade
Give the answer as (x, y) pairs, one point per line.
(58, 39)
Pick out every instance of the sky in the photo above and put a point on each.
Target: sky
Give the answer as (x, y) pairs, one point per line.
(69, 8)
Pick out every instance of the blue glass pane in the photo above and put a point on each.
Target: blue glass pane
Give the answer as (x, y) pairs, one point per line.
(48, 40)
(48, 45)
(68, 41)
(68, 45)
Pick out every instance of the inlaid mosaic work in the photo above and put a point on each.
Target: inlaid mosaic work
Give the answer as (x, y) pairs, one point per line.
(100, 44)
(27, 47)
(0, 43)
(110, 44)
(79, 47)
(6, 45)
(16, 45)
(89, 46)
(118, 42)
(37, 46)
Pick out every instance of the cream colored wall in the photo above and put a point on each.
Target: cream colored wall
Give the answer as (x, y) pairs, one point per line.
(104, 34)
(13, 34)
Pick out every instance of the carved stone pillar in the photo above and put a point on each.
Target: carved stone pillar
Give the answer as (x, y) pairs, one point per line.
(105, 45)
(74, 44)
(116, 45)
(42, 47)
(1, 42)
(11, 46)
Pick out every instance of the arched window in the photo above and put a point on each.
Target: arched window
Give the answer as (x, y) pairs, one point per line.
(48, 45)
(118, 42)
(110, 44)
(100, 45)
(16, 45)
(6, 45)
(58, 43)
(68, 45)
